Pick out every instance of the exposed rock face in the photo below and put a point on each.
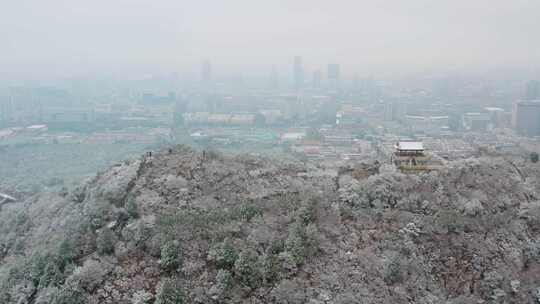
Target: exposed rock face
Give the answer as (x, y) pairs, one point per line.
(192, 227)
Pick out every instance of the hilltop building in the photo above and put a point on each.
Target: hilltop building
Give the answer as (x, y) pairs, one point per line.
(410, 156)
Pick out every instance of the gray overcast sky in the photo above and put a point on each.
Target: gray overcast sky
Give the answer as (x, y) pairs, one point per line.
(75, 36)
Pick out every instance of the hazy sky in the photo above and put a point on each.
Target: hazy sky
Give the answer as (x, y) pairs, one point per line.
(76, 36)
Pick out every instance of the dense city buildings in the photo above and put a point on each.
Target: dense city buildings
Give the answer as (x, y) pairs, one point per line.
(331, 118)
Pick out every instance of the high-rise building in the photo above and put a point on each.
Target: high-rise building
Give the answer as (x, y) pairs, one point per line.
(333, 76)
(274, 78)
(153, 99)
(388, 111)
(317, 77)
(298, 73)
(395, 111)
(334, 71)
(497, 116)
(26, 104)
(356, 83)
(399, 111)
(6, 109)
(532, 91)
(206, 71)
(527, 117)
(476, 121)
(179, 110)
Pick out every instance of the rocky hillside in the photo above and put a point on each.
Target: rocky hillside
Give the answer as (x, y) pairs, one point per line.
(181, 226)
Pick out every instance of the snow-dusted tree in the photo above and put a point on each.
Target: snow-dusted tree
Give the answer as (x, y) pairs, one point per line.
(171, 256)
(105, 242)
(170, 291)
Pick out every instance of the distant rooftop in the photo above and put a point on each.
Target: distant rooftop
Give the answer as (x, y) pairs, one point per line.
(410, 146)
(495, 109)
(35, 127)
(535, 102)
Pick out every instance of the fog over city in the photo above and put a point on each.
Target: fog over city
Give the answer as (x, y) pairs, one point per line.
(269, 152)
(64, 38)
